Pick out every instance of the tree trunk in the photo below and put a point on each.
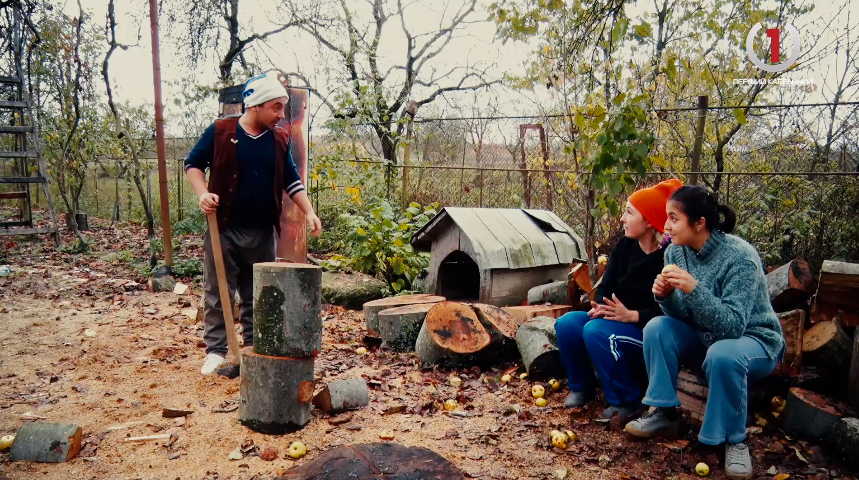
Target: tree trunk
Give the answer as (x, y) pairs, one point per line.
(790, 285)
(826, 345)
(367, 461)
(810, 415)
(399, 327)
(839, 285)
(46, 442)
(286, 309)
(451, 335)
(844, 438)
(538, 347)
(372, 309)
(275, 392)
(555, 292)
(793, 327)
(342, 395)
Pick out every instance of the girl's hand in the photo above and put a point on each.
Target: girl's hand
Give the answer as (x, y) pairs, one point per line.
(681, 280)
(615, 310)
(661, 287)
(594, 312)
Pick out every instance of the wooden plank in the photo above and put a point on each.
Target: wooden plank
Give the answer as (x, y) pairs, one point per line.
(542, 246)
(692, 406)
(519, 253)
(22, 179)
(15, 129)
(147, 438)
(12, 195)
(12, 104)
(19, 155)
(488, 251)
(839, 284)
(692, 377)
(691, 388)
(25, 231)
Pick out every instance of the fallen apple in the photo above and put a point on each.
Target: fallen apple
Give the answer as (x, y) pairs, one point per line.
(538, 391)
(297, 449)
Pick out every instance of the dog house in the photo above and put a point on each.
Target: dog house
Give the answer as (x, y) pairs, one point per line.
(495, 255)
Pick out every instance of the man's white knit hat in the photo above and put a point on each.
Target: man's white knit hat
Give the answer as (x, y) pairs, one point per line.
(263, 88)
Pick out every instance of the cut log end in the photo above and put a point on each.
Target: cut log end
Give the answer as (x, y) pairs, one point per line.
(811, 415)
(372, 309)
(305, 392)
(399, 326)
(826, 345)
(456, 328)
(497, 318)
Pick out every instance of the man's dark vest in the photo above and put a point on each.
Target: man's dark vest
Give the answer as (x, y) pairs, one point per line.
(225, 169)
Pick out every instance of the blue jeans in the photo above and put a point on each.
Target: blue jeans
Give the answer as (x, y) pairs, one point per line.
(728, 364)
(615, 349)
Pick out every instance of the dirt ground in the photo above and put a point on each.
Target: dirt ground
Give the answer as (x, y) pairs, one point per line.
(145, 356)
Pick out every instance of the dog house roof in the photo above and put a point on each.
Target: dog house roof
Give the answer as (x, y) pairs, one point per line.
(506, 237)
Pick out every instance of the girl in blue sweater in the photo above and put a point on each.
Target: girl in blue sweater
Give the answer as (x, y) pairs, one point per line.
(717, 315)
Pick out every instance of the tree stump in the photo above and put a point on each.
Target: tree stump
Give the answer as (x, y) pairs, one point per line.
(793, 327)
(375, 460)
(839, 285)
(844, 438)
(555, 292)
(826, 345)
(286, 309)
(501, 327)
(372, 309)
(341, 395)
(790, 285)
(451, 335)
(810, 415)
(399, 326)
(853, 377)
(538, 346)
(275, 392)
(46, 442)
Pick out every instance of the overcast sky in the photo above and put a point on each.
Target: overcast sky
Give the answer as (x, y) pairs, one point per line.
(132, 72)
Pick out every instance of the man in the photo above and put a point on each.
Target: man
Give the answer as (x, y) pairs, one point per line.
(250, 165)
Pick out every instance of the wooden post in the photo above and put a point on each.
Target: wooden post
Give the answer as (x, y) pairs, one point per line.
(286, 309)
(703, 101)
(221, 272)
(159, 138)
(544, 144)
(275, 392)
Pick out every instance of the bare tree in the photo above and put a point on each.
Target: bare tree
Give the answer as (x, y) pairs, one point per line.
(379, 98)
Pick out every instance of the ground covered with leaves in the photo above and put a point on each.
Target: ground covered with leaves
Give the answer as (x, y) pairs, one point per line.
(84, 342)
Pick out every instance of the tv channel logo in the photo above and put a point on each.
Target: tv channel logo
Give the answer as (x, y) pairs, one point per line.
(775, 42)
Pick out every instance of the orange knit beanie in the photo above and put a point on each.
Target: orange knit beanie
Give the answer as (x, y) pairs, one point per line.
(651, 202)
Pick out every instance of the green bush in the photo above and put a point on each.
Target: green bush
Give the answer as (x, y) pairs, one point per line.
(194, 223)
(188, 267)
(378, 243)
(122, 256)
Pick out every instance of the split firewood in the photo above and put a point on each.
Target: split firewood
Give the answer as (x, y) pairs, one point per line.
(538, 346)
(451, 335)
(824, 312)
(793, 328)
(811, 415)
(827, 346)
(341, 395)
(839, 285)
(372, 309)
(790, 285)
(692, 390)
(399, 326)
(46, 442)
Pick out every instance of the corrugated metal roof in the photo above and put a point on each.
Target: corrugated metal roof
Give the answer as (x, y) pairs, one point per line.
(507, 237)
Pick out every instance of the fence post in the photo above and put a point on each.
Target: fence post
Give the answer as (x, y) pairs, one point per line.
(526, 179)
(703, 101)
(544, 143)
(179, 187)
(407, 152)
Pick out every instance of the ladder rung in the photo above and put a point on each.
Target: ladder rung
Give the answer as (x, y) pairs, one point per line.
(26, 231)
(5, 79)
(12, 104)
(22, 180)
(16, 129)
(16, 223)
(18, 155)
(12, 195)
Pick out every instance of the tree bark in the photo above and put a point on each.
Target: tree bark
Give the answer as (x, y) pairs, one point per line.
(275, 392)
(286, 309)
(538, 346)
(399, 327)
(790, 285)
(810, 415)
(555, 292)
(844, 438)
(46, 442)
(826, 345)
(372, 309)
(342, 395)
(793, 328)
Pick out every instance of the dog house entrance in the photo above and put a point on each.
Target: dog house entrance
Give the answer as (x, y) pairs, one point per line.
(459, 277)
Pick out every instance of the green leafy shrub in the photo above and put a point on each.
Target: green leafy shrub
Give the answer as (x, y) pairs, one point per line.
(193, 224)
(188, 267)
(121, 256)
(379, 243)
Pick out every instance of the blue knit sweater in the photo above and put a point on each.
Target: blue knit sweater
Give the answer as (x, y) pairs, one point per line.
(731, 298)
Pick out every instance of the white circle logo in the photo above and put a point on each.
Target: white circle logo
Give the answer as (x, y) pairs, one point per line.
(773, 34)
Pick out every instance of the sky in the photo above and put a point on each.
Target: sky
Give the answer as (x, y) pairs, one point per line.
(132, 69)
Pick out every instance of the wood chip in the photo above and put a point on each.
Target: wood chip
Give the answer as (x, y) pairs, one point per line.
(173, 413)
(147, 438)
(123, 426)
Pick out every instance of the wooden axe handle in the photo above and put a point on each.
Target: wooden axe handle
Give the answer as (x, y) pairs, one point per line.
(226, 302)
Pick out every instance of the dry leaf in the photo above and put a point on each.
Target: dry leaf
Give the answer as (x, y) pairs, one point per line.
(782, 476)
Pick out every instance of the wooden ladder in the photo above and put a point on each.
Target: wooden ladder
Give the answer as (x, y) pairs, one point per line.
(25, 154)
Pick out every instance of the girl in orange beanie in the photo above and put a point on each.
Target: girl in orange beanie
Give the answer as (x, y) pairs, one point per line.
(608, 338)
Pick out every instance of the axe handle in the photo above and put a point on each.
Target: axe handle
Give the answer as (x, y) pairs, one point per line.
(226, 303)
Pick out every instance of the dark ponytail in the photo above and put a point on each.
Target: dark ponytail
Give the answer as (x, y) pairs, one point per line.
(697, 202)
